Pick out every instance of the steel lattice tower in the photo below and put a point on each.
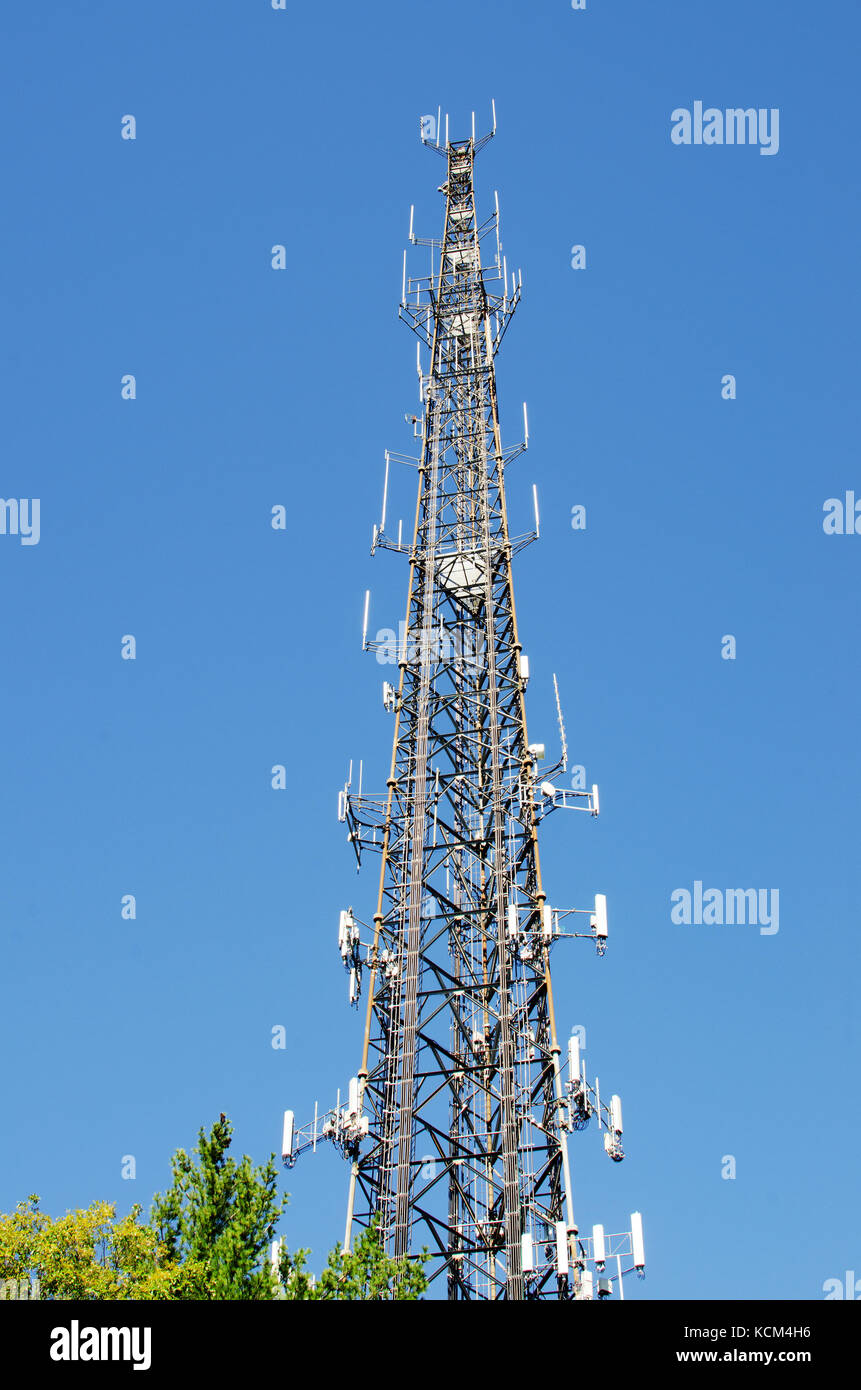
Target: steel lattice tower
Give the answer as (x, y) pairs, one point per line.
(457, 1123)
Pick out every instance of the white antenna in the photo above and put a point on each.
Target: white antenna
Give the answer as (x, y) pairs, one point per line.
(496, 201)
(385, 495)
(404, 282)
(525, 428)
(599, 918)
(535, 505)
(360, 777)
(287, 1134)
(438, 123)
(561, 725)
(473, 127)
(637, 1243)
(599, 1247)
(400, 531)
(493, 105)
(446, 130)
(412, 212)
(365, 619)
(616, 1114)
(562, 1261)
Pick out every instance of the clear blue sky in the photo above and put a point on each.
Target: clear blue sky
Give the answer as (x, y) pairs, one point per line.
(704, 518)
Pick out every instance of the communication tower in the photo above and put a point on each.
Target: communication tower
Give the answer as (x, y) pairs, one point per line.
(456, 1125)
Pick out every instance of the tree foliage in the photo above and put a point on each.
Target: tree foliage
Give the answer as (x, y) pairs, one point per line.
(365, 1273)
(208, 1238)
(221, 1215)
(89, 1254)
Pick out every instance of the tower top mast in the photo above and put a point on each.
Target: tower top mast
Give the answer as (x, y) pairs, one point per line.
(456, 1125)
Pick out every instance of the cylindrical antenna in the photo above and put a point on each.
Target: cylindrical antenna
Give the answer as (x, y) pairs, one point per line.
(446, 130)
(404, 281)
(473, 127)
(438, 124)
(599, 1245)
(561, 725)
(493, 105)
(385, 495)
(525, 427)
(412, 211)
(400, 531)
(638, 1248)
(365, 619)
(616, 1114)
(535, 505)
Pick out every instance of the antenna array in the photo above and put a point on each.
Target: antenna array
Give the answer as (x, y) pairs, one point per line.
(456, 1125)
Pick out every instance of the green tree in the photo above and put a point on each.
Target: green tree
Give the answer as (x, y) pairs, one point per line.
(88, 1254)
(365, 1273)
(220, 1216)
(208, 1239)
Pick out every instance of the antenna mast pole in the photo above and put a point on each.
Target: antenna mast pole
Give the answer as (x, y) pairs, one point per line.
(458, 1123)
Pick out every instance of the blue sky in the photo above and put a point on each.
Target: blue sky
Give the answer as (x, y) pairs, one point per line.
(257, 388)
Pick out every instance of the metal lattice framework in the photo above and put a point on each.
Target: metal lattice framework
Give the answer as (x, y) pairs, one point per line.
(457, 1123)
